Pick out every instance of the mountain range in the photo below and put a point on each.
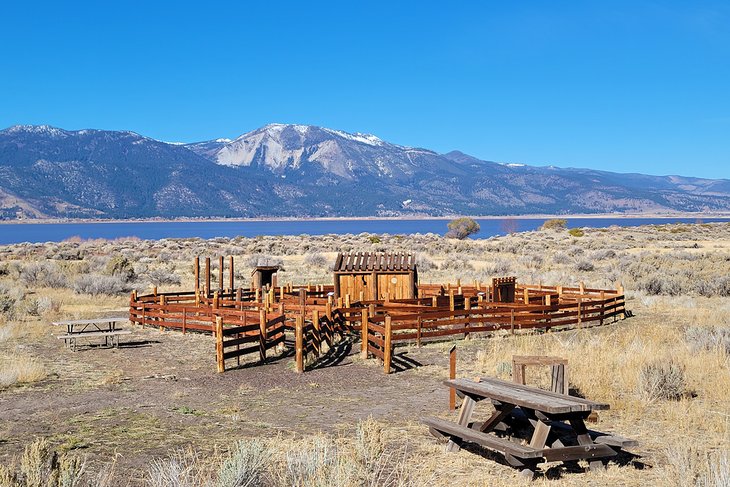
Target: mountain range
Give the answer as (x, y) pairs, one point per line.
(285, 170)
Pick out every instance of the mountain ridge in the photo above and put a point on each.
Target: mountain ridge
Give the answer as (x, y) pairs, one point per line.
(290, 170)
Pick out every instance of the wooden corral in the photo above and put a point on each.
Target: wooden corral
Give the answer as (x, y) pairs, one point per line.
(376, 275)
(255, 320)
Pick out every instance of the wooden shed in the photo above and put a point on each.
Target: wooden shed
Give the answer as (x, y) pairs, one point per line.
(375, 274)
(264, 275)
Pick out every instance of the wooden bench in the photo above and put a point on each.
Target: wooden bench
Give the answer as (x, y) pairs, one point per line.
(70, 338)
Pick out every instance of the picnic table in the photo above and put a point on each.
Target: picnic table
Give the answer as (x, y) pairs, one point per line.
(105, 327)
(552, 424)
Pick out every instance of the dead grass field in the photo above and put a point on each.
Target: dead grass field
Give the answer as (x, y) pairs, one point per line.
(156, 408)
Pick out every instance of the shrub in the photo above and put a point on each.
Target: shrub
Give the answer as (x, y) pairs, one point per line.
(315, 259)
(662, 379)
(374, 239)
(701, 338)
(584, 265)
(462, 227)
(246, 466)
(121, 267)
(163, 276)
(40, 306)
(561, 258)
(42, 274)
(576, 232)
(555, 224)
(656, 284)
(96, 284)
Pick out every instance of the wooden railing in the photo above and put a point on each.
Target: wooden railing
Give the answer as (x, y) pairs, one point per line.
(384, 331)
(254, 321)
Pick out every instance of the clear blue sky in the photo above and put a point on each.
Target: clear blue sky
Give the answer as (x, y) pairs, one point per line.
(624, 86)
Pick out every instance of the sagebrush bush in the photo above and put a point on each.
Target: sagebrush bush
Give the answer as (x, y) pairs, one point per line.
(662, 379)
(163, 276)
(554, 224)
(703, 338)
(315, 259)
(43, 274)
(121, 267)
(584, 265)
(96, 284)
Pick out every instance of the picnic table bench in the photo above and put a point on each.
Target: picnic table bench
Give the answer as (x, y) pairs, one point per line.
(92, 328)
(555, 424)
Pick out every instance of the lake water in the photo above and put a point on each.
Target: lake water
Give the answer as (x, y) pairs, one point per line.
(56, 232)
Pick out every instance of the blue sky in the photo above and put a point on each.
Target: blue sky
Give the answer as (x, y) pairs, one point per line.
(623, 86)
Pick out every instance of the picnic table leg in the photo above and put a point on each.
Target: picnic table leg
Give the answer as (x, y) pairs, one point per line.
(584, 438)
(467, 408)
(501, 412)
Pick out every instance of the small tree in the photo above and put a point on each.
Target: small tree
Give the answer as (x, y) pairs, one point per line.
(462, 228)
(555, 224)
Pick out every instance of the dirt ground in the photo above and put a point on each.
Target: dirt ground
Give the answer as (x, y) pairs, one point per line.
(159, 392)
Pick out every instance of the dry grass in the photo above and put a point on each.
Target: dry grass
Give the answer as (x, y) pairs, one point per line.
(21, 369)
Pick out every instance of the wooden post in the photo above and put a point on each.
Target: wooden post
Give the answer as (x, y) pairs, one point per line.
(219, 344)
(220, 273)
(452, 375)
(317, 335)
(299, 334)
(467, 318)
(526, 296)
(582, 287)
(458, 283)
(162, 312)
(239, 293)
(196, 269)
(434, 301)
(364, 334)
(207, 277)
(547, 300)
(419, 324)
(387, 351)
(154, 290)
(580, 319)
(230, 273)
(512, 321)
(184, 321)
(216, 300)
(451, 300)
(262, 335)
(281, 294)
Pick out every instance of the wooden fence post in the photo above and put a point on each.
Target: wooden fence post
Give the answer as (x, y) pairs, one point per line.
(419, 324)
(162, 312)
(230, 272)
(364, 333)
(388, 338)
(281, 293)
(220, 273)
(580, 318)
(219, 344)
(196, 269)
(526, 296)
(317, 335)
(434, 301)
(452, 375)
(512, 321)
(262, 335)
(299, 334)
(207, 277)
(451, 300)
(328, 308)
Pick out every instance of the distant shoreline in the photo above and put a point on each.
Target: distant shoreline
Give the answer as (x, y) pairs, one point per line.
(37, 221)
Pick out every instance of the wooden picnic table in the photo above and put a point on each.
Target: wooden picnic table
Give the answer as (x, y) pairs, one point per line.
(105, 327)
(555, 424)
